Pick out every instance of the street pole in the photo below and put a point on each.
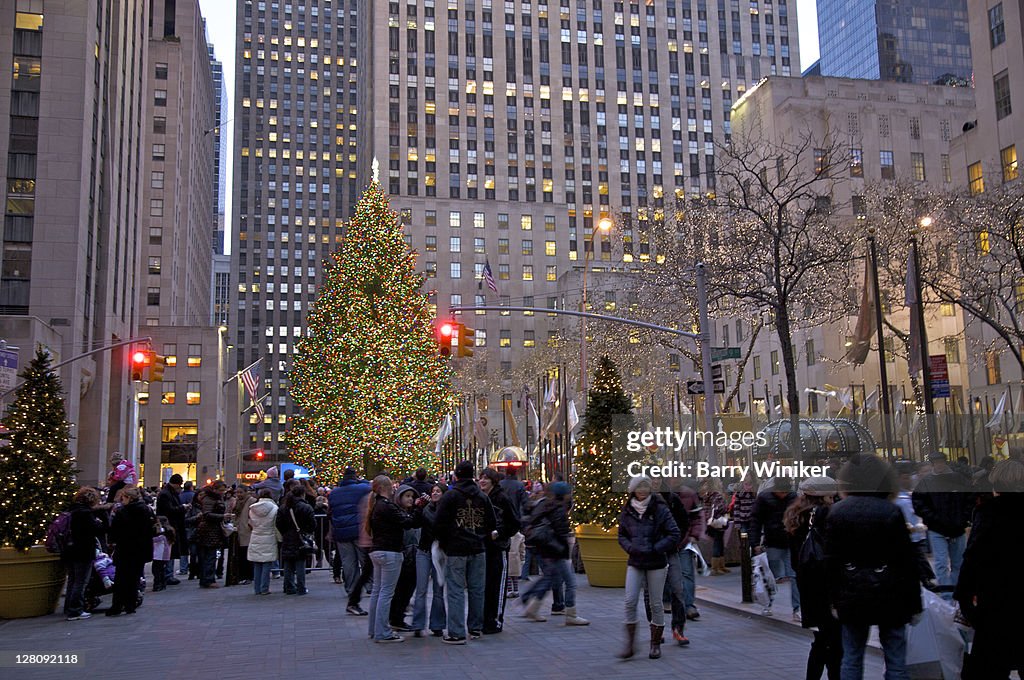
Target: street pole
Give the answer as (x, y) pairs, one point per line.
(929, 406)
(604, 225)
(705, 355)
(882, 368)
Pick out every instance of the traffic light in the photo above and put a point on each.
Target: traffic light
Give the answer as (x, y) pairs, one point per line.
(259, 454)
(466, 341)
(156, 368)
(446, 331)
(141, 360)
(256, 456)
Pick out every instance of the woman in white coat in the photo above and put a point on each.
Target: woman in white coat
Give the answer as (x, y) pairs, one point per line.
(263, 541)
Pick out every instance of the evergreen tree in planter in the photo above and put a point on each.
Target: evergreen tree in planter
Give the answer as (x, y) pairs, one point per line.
(36, 468)
(609, 416)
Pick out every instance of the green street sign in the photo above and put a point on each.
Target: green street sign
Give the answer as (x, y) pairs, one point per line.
(722, 353)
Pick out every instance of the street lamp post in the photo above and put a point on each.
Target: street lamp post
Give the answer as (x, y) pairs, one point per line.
(604, 225)
(929, 406)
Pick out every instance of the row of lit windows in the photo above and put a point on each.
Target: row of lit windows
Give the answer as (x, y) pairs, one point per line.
(168, 393)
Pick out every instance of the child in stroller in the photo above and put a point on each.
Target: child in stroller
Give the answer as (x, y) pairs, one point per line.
(102, 581)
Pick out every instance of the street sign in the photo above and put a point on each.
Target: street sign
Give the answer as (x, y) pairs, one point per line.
(8, 369)
(722, 353)
(716, 371)
(697, 386)
(939, 372)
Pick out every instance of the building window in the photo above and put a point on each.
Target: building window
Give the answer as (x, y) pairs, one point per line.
(757, 368)
(160, 97)
(885, 160)
(819, 161)
(505, 340)
(454, 219)
(527, 272)
(167, 392)
(455, 270)
(526, 222)
(479, 221)
(195, 356)
(947, 309)
(984, 242)
(170, 354)
(856, 162)
(996, 30)
(775, 362)
(812, 358)
(503, 272)
(431, 244)
(528, 247)
(502, 246)
(952, 351)
(153, 296)
(156, 180)
(455, 244)
(992, 371)
(154, 265)
(1002, 91)
(975, 178)
(479, 246)
(860, 207)
(159, 150)
(156, 207)
(917, 163)
(551, 272)
(947, 173)
(161, 71)
(550, 248)
(528, 339)
(159, 125)
(193, 394)
(1008, 158)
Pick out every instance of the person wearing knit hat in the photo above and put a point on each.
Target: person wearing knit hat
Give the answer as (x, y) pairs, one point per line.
(804, 521)
(464, 470)
(273, 483)
(768, 534)
(647, 532)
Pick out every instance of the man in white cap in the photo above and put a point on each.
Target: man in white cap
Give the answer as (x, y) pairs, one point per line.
(272, 483)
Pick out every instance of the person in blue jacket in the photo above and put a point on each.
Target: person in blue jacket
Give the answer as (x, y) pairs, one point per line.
(344, 501)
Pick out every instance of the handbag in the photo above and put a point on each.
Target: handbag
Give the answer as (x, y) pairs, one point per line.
(308, 544)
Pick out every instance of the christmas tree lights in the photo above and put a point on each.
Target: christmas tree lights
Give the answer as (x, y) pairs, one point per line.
(36, 468)
(367, 377)
(608, 418)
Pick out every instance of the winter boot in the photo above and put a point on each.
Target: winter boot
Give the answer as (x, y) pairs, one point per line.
(655, 641)
(571, 619)
(721, 566)
(627, 650)
(532, 611)
(716, 566)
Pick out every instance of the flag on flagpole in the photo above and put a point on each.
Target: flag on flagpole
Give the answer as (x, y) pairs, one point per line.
(510, 422)
(861, 345)
(574, 418)
(443, 431)
(996, 421)
(533, 413)
(916, 361)
(489, 277)
(251, 379)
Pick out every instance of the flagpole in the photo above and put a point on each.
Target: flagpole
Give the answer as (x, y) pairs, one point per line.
(929, 406)
(236, 375)
(882, 368)
(566, 442)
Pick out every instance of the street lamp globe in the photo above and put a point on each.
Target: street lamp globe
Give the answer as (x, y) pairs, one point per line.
(925, 222)
(605, 224)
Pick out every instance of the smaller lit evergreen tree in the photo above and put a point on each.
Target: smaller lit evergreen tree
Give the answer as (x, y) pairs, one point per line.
(36, 468)
(608, 418)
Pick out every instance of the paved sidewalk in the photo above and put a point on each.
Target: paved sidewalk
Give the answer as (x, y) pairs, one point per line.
(231, 634)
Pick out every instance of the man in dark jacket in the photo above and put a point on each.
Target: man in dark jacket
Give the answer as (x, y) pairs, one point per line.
(768, 534)
(168, 504)
(344, 502)
(496, 551)
(943, 501)
(420, 482)
(79, 554)
(872, 568)
(209, 534)
(675, 590)
(131, 531)
(465, 518)
(514, 490)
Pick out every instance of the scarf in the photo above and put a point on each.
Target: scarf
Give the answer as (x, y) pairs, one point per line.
(640, 506)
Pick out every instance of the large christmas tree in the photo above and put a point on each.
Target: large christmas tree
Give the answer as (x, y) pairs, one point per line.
(367, 376)
(609, 416)
(36, 469)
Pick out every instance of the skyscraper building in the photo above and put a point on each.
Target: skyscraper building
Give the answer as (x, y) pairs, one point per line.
(220, 137)
(545, 118)
(72, 134)
(920, 41)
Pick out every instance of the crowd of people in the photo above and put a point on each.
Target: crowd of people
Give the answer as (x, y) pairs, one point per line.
(854, 550)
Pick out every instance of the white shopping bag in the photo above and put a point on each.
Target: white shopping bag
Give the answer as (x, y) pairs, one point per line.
(702, 564)
(764, 581)
(935, 648)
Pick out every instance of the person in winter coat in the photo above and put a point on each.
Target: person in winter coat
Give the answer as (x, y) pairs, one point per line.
(693, 534)
(675, 587)
(496, 550)
(294, 519)
(715, 512)
(386, 523)
(872, 569)
(427, 573)
(243, 565)
(943, 501)
(168, 504)
(810, 513)
(406, 498)
(548, 534)
(344, 501)
(209, 536)
(262, 540)
(465, 517)
(990, 598)
(768, 534)
(647, 533)
(918, 531)
(79, 554)
(272, 482)
(515, 491)
(131, 531)
(741, 507)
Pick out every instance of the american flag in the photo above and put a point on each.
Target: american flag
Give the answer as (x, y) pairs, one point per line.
(250, 378)
(489, 277)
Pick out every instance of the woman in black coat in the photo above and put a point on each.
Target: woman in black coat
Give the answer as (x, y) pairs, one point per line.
(872, 566)
(78, 556)
(647, 533)
(805, 521)
(992, 598)
(294, 519)
(131, 531)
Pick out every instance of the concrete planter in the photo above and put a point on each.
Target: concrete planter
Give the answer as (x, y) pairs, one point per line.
(30, 582)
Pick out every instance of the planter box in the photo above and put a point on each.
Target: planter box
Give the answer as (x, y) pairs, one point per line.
(604, 560)
(30, 582)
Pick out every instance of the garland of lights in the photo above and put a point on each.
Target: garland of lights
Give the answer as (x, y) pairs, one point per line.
(36, 468)
(367, 377)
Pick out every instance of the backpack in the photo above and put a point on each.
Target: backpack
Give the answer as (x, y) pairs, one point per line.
(58, 534)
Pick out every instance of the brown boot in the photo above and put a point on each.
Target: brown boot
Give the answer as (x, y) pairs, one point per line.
(627, 650)
(656, 632)
(716, 567)
(721, 565)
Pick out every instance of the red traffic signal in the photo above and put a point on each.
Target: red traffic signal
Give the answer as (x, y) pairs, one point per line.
(446, 331)
(141, 360)
(259, 454)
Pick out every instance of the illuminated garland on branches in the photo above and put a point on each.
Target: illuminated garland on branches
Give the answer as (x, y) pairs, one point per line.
(367, 377)
(36, 468)
(609, 416)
